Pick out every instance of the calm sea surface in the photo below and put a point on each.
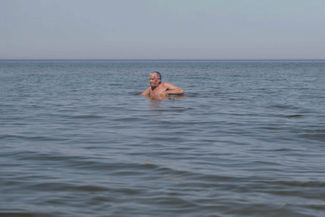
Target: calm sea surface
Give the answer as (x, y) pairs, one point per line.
(247, 139)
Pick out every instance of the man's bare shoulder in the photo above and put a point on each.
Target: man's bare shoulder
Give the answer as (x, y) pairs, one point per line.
(146, 92)
(167, 84)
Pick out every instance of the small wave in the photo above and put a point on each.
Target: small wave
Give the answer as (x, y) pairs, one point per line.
(86, 116)
(319, 137)
(315, 135)
(91, 188)
(192, 94)
(319, 207)
(284, 107)
(31, 138)
(128, 119)
(178, 202)
(282, 150)
(173, 109)
(135, 93)
(305, 184)
(66, 186)
(255, 209)
(78, 116)
(23, 214)
(294, 116)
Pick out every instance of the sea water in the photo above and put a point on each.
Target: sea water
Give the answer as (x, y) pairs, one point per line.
(77, 139)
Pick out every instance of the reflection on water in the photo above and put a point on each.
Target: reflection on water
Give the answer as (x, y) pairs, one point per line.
(155, 104)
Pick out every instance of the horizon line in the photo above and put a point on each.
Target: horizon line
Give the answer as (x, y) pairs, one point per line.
(162, 59)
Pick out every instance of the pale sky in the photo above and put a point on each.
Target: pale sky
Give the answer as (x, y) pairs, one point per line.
(162, 29)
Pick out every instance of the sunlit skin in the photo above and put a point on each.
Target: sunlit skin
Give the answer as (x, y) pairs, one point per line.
(160, 90)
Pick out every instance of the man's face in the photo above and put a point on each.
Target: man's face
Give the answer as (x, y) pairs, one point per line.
(154, 80)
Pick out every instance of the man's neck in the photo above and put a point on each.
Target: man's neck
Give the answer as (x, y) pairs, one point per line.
(152, 88)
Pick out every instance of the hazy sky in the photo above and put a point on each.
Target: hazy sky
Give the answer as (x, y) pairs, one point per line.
(162, 29)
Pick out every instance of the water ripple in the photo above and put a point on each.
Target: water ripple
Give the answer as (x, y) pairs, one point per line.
(247, 139)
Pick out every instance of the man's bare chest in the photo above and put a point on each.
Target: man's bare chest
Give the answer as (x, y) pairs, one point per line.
(159, 91)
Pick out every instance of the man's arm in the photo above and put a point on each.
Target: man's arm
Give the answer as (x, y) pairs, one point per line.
(146, 92)
(173, 89)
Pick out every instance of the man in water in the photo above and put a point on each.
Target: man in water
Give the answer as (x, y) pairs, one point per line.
(160, 90)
